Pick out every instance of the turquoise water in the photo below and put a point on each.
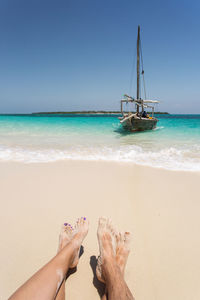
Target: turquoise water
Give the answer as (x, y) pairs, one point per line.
(174, 144)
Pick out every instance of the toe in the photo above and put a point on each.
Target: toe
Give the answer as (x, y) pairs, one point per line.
(102, 222)
(68, 229)
(117, 237)
(78, 222)
(113, 229)
(86, 221)
(121, 237)
(127, 238)
(109, 224)
(63, 227)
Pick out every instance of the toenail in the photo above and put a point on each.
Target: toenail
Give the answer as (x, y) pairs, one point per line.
(84, 218)
(65, 224)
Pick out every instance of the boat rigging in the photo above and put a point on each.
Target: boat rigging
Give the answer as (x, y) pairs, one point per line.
(139, 120)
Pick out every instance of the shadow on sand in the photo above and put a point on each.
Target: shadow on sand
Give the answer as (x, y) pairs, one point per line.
(98, 285)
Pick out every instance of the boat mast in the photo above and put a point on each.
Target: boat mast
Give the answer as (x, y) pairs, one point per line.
(138, 64)
(138, 67)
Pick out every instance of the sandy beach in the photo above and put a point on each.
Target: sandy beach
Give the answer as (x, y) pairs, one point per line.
(160, 208)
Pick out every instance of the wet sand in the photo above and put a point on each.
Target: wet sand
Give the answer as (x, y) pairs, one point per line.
(161, 208)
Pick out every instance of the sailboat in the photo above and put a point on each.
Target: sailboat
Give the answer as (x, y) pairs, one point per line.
(139, 120)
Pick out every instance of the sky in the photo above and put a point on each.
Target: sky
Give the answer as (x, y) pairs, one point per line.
(68, 55)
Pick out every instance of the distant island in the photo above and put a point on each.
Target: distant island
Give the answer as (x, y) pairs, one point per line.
(89, 112)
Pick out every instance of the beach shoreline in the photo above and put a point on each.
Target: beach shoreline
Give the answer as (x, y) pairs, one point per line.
(159, 207)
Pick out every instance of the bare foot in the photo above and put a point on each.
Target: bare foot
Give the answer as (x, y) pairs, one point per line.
(74, 235)
(112, 245)
(122, 249)
(65, 236)
(79, 233)
(107, 245)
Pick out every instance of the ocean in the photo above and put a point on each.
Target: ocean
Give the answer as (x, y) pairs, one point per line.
(173, 145)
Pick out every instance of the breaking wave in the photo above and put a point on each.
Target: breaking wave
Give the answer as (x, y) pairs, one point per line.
(167, 158)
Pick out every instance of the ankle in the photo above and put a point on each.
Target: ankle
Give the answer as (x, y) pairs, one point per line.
(112, 274)
(109, 266)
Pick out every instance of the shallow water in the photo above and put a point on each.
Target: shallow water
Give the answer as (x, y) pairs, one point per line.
(174, 144)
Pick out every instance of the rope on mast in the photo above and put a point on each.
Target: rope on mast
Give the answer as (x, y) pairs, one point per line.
(133, 70)
(145, 96)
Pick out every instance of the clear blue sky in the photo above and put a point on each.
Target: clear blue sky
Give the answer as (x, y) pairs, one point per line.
(78, 54)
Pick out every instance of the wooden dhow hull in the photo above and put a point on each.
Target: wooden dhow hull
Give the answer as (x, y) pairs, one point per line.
(139, 124)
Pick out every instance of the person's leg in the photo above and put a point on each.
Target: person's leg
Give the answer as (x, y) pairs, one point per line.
(64, 239)
(44, 284)
(116, 286)
(61, 292)
(113, 259)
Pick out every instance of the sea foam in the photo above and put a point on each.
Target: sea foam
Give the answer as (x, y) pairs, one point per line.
(167, 158)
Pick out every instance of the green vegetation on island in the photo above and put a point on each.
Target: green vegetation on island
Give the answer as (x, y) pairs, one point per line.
(91, 112)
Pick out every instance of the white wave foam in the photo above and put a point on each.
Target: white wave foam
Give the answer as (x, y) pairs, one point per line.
(167, 158)
(158, 128)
